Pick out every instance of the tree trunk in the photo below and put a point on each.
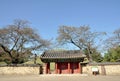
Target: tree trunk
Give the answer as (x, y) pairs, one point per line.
(89, 54)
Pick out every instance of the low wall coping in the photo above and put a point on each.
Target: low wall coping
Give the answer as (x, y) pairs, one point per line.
(21, 65)
(106, 63)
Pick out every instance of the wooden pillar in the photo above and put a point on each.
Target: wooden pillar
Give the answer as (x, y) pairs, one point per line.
(69, 67)
(47, 68)
(79, 68)
(56, 68)
(59, 68)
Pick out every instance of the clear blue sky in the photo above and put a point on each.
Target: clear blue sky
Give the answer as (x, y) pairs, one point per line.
(47, 15)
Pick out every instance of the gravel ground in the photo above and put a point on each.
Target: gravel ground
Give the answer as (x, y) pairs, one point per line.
(58, 78)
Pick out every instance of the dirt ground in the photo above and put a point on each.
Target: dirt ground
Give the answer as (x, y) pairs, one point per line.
(58, 78)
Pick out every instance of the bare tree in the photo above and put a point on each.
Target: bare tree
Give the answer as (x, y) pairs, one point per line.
(81, 37)
(117, 36)
(114, 40)
(19, 39)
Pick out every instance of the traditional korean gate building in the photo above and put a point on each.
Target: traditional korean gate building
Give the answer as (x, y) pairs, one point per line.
(66, 62)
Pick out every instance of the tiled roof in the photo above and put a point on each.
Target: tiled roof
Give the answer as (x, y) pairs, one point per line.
(62, 54)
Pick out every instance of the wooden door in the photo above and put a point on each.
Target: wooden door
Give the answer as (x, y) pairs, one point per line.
(74, 66)
(64, 68)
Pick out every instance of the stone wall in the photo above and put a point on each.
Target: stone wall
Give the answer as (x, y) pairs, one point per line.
(23, 70)
(104, 68)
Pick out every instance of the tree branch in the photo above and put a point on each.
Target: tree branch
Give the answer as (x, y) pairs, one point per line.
(14, 44)
(75, 43)
(7, 51)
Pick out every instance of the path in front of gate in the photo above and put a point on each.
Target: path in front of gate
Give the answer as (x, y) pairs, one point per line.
(62, 77)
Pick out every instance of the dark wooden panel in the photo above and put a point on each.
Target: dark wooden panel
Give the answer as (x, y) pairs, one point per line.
(74, 66)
